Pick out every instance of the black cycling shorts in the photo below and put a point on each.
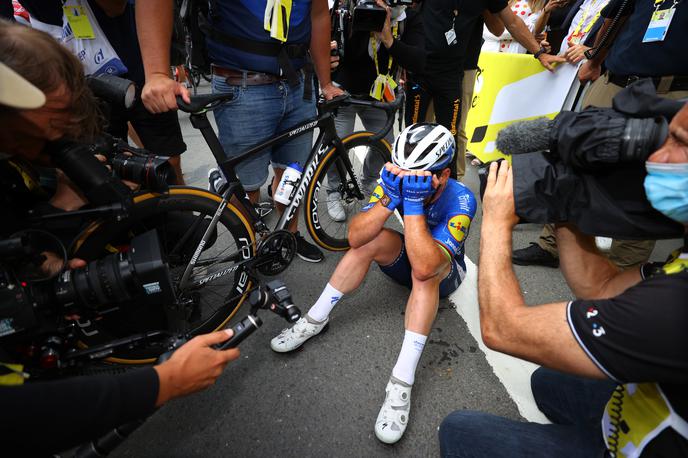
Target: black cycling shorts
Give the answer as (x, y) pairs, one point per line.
(400, 271)
(160, 133)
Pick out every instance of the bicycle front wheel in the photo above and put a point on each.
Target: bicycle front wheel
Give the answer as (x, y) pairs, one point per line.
(331, 198)
(180, 218)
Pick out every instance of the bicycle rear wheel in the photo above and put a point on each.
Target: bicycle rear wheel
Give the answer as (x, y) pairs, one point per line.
(180, 218)
(330, 187)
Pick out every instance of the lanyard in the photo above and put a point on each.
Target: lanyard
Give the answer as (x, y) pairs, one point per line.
(584, 17)
(659, 3)
(373, 45)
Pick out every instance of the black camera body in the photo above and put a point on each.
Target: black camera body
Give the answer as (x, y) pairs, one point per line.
(138, 277)
(588, 167)
(368, 17)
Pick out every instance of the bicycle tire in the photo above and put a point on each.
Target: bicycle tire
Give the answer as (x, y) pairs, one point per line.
(149, 207)
(326, 232)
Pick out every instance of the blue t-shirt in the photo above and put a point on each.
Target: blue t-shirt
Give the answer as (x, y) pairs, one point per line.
(630, 56)
(448, 218)
(244, 19)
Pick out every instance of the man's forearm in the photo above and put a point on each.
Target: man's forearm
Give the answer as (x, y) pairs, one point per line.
(320, 42)
(365, 226)
(589, 274)
(154, 29)
(426, 257)
(518, 30)
(498, 288)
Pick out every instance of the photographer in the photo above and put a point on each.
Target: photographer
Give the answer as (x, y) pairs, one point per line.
(370, 67)
(67, 412)
(625, 328)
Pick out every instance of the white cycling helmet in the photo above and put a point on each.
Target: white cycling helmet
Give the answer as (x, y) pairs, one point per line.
(424, 146)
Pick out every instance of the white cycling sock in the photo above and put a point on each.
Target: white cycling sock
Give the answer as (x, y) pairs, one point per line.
(411, 349)
(325, 303)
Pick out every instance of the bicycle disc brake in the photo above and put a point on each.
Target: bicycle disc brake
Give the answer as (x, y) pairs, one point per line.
(275, 252)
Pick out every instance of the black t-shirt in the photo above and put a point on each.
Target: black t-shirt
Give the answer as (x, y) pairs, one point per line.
(438, 18)
(356, 72)
(474, 44)
(641, 336)
(120, 31)
(630, 56)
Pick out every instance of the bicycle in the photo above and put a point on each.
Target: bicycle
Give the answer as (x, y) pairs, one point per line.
(212, 267)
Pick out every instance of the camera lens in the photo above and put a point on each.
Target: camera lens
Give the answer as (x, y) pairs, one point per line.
(153, 172)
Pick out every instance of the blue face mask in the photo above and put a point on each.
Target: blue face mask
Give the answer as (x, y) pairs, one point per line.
(666, 187)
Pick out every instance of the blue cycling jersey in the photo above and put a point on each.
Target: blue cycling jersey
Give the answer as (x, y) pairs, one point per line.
(448, 218)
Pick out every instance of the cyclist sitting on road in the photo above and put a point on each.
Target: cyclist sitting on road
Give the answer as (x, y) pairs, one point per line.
(428, 257)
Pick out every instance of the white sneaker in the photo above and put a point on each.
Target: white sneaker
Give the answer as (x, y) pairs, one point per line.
(292, 338)
(335, 207)
(394, 413)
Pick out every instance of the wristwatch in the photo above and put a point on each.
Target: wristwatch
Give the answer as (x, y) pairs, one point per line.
(540, 52)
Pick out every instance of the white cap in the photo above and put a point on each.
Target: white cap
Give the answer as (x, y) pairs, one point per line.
(16, 92)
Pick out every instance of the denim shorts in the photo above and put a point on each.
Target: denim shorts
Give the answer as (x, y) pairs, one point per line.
(400, 271)
(256, 114)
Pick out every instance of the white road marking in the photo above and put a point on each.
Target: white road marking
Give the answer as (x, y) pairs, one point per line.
(514, 373)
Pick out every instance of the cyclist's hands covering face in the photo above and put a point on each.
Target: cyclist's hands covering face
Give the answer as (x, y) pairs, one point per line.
(391, 177)
(417, 187)
(195, 366)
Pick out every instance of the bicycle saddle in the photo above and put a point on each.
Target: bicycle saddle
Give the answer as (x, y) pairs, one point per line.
(203, 102)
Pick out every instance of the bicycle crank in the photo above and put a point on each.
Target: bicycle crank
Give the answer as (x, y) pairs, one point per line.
(275, 252)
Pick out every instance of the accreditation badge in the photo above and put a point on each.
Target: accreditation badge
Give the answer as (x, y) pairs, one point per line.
(659, 25)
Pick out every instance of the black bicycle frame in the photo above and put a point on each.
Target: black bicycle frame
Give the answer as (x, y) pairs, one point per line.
(326, 137)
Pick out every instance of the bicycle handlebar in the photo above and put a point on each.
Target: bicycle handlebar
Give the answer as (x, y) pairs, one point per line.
(389, 107)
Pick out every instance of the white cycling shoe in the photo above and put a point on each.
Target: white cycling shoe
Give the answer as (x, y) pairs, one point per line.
(335, 207)
(394, 413)
(292, 338)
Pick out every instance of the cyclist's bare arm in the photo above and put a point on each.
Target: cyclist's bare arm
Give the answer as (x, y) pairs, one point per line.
(154, 28)
(365, 226)
(427, 258)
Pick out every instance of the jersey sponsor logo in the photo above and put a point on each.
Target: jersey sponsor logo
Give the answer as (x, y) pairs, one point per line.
(458, 226)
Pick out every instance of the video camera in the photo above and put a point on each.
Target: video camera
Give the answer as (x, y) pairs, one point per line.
(358, 16)
(588, 167)
(28, 296)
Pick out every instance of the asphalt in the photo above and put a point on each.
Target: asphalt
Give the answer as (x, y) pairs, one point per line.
(323, 399)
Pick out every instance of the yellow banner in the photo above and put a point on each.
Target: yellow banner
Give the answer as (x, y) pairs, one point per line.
(510, 88)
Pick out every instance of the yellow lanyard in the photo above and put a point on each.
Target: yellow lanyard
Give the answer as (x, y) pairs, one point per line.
(586, 13)
(373, 44)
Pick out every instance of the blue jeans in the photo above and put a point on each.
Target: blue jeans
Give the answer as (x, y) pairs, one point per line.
(256, 114)
(574, 405)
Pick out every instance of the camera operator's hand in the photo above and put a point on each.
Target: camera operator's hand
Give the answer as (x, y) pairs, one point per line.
(195, 366)
(575, 53)
(589, 71)
(160, 92)
(334, 59)
(53, 264)
(385, 35)
(416, 188)
(67, 195)
(499, 210)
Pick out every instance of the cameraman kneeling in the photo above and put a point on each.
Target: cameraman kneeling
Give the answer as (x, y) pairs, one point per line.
(626, 328)
(67, 412)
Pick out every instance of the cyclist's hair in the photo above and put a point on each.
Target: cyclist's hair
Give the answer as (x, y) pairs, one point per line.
(46, 64)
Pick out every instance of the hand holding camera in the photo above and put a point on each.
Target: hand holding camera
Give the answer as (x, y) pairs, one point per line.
(195, 366)
(385, 35)
(499, 210)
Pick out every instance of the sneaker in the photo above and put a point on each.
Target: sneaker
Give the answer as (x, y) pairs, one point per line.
(292, 338)
(216, 181)
(307, 251)
(335, 207)
(394, 413)
(534, 256)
